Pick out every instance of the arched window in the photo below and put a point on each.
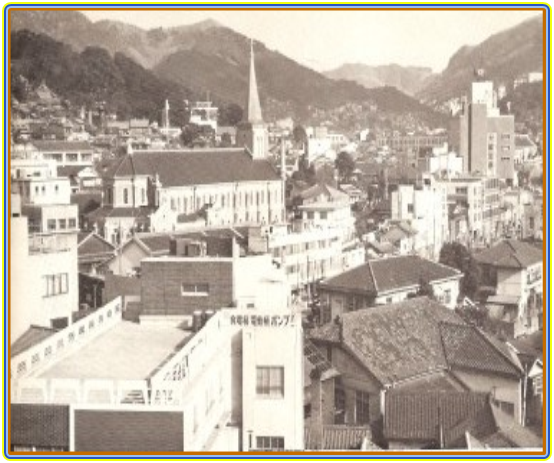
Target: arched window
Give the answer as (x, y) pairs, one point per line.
(125, 196)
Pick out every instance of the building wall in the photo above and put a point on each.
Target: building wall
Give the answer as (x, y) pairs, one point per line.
(510, 282)
(273, 416)
(502, 388)
(163, 279)
(354, 377)
(127, 431)
(127, 259)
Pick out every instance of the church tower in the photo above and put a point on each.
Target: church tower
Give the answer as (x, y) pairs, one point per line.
(252, 133)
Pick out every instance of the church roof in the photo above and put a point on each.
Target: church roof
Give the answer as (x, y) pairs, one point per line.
(194, 167)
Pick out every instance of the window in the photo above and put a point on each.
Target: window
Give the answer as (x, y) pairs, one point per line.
(270, 381)
(72, 223)
(447, 296)
(340, 405)
(62, 224)
(270, 443)
(362, 407)
(310, 215)
(410, 208)
(51, 224)
(323, 215)
(55, 284)
(125, 196)
(109, 195)
(389, 300)
(195, 289)
(143, 195)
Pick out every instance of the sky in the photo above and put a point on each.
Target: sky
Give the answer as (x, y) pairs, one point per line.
(324, 40)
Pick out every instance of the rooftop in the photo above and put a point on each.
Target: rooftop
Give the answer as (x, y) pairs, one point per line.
(512, 254)
(392, 273)
(60, 145)
(194, 167)
(128, 351)
(414, 338)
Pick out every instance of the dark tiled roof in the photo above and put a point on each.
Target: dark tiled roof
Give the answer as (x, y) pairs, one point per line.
(338, 437)
(383, 275)
(34, 335)
(44, 426)
(416, 417)
(356, 279)
(510, 254)
(466, 347)
(194, 167)
(58, 145)
(156, 243)
(404, 271)
(394, 342)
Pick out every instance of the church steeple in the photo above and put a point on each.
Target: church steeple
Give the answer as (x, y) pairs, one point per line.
(252, 132)
(254, 108)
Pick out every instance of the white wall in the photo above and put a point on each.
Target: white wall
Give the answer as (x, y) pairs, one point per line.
(278, 417)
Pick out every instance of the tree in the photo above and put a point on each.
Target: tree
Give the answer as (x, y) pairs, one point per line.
(230, 115)
(345, 165)
(456, 255)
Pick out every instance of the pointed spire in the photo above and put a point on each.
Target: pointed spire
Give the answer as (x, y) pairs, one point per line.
(254, 108)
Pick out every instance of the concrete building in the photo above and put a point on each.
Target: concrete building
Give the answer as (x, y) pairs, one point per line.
(204, 114)
(306, 254)
(66, 153)
(480, 198)
(424, 208)
(386, 281)
(106, 384)
(209, 274)
(486, 138)
(515, 270)
(44, 284)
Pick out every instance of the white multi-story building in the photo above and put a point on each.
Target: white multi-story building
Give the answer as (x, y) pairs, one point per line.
(106, 384)
(425, 208)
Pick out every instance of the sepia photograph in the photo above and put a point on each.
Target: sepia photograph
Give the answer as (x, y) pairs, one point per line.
(276, 231)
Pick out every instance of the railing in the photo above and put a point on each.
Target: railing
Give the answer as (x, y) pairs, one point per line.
(191, 359)
(45, 353)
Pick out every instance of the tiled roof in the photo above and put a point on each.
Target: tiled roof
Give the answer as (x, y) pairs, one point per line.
(466, 347)
(510, 433)
(511, 254)
(44, 426)
(323, 189)
(338, 437)
(392, 273)
(394, 342)
(405, 271)
(194, 167)
(418, 336)
(356, 279)
(93, 244)
(416, 417)
(34, 335)
(58, 145)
